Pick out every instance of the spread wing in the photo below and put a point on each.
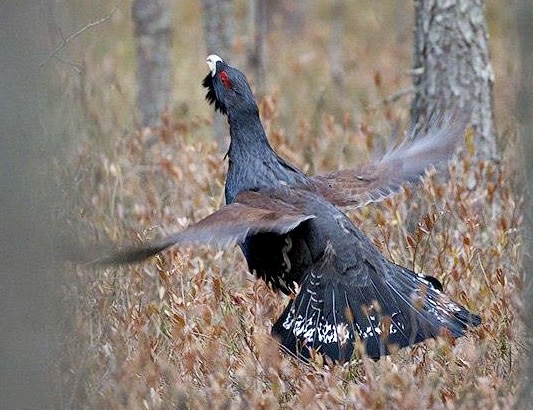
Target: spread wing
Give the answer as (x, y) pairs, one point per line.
(252, 212)
(405, 163)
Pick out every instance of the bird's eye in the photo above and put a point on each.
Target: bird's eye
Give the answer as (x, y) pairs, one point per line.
(225, 79)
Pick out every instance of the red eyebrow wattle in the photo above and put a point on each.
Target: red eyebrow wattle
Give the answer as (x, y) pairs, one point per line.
(225, 79)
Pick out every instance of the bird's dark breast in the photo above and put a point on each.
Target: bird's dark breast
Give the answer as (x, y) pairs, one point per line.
(280, 260)
(284, 260)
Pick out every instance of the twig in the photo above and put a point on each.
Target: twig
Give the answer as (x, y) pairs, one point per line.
(392, 98)
(398, 94)
(67, 40)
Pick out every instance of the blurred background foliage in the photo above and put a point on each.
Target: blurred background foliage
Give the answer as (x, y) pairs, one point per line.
(376, 47)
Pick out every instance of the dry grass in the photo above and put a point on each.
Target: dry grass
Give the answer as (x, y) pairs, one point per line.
(190, 328)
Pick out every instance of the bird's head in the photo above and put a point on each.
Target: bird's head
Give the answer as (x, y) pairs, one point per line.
(227, 87)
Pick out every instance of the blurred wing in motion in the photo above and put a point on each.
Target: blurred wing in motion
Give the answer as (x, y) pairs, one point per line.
(405, 163)
(253, 212)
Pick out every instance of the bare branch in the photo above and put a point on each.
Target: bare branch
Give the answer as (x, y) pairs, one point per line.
(67, 40)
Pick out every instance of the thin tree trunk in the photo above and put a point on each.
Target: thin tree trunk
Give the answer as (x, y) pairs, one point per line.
(257, 52)
(219, 32)
(154, 76)
(219, 27)
(452, 71)
(335, 45)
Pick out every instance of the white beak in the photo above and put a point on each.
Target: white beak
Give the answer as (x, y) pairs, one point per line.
(212, 63)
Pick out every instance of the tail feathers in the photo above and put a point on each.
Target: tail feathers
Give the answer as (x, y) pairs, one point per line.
(333, 318)
(316, 321)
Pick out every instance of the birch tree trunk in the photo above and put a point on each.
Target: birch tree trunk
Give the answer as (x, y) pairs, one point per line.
(154, 75)
(452, 70)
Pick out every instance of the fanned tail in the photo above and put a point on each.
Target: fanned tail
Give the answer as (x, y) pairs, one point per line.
(332, 317)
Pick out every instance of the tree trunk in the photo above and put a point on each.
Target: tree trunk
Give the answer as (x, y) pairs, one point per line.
(257, 50)
(219, 27)
(154, 75)
(219, 32)
(452, 71)
(335, 44)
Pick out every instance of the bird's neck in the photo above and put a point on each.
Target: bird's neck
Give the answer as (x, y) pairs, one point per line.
(248, 137)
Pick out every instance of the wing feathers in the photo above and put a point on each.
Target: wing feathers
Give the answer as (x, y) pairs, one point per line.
(405, 163)
(252, 213)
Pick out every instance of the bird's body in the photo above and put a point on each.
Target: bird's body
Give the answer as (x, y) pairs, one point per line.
(295, 237)
(336, 273)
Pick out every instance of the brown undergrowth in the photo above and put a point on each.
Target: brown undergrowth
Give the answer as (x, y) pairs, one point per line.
(190, 328)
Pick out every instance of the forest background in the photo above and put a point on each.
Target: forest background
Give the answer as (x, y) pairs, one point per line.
(191, 328)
